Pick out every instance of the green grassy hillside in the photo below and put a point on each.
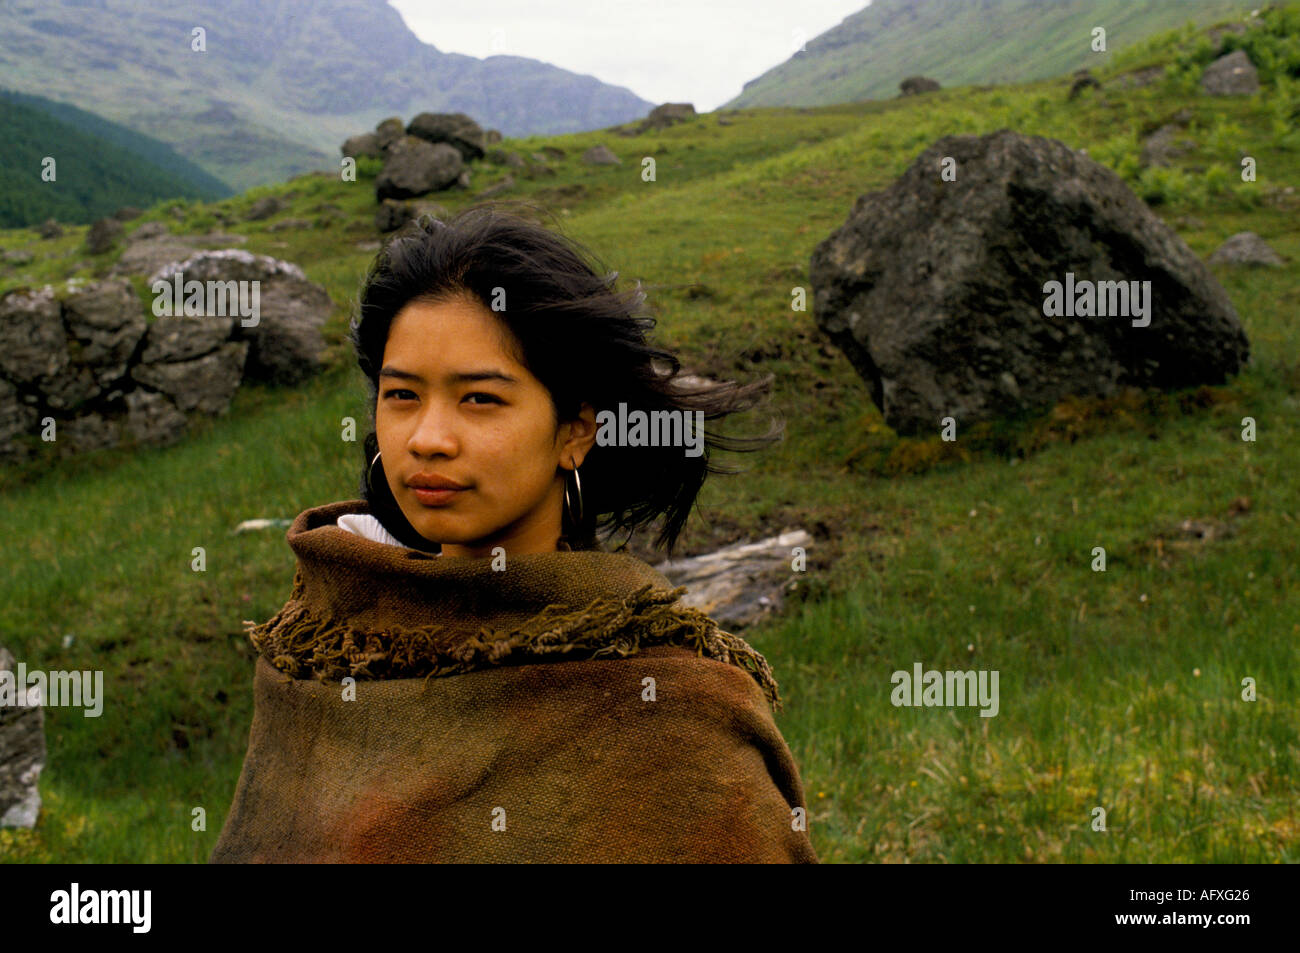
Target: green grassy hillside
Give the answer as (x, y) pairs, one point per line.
(100, 165)
(964, 42)
(1119, 690)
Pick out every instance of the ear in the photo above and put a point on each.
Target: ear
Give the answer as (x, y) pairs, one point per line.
(577, 437)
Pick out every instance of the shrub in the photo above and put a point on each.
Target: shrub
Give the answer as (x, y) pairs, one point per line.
(369, 167)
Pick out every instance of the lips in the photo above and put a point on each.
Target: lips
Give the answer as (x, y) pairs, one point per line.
(434, 497)
(433, 481)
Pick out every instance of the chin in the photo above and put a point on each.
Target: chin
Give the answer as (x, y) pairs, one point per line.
(439, 529)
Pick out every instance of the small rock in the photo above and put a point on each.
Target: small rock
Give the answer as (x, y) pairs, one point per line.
(1245, 248)
(264, 207)
(1160, 147)
(289, 224)
(1083, 80)
(1139, 78)
(148, 230)
(915, 85)
(102, 235)
(1231, 75)
(392, 215)
(601, 155)
(505, 185)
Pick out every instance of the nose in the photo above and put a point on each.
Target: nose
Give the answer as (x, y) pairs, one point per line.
(435, 432)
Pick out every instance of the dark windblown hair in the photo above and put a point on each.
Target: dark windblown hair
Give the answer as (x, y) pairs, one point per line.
(583, 340)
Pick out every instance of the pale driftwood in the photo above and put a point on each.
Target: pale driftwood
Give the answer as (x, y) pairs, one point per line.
(740, 584)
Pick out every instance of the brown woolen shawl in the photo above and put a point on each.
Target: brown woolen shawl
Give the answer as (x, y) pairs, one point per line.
(504, 716)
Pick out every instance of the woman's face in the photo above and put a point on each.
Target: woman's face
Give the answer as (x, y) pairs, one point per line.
(455, 405)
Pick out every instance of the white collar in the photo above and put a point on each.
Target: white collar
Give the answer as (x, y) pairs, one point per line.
(363, 524)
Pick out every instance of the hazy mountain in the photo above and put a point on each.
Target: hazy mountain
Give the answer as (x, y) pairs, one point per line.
(966, 42)
(282, 82)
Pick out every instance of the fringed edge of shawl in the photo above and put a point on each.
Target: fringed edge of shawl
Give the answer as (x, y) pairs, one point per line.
(301, 644)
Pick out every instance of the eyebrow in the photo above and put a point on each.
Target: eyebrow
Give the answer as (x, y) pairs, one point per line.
(487, 374)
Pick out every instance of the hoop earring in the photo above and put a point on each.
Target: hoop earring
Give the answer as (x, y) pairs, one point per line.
(575, 520)
(370, 473)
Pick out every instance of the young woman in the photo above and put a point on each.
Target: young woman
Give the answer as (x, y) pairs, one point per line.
(463, 671)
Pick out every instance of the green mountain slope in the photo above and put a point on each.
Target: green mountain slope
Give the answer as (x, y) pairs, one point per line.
(966, 42)
(280, 83)
(99, 166)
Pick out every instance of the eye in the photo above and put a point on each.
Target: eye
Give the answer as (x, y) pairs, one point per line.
(491, 398)
(398, 390)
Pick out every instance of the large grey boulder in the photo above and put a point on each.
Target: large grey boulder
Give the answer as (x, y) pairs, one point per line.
(86, 432)
(455, 129)
(413, 167)
(16, 417)
(106, 320)
(150, 249)
(665, 115)
(365, 146)
(71, 350)
(88, 358)
(22, 756)
(175, 337)
(152, 419)
(33, 341)
(286, 345)
(938, 290)
(388, 132)
(205, 384)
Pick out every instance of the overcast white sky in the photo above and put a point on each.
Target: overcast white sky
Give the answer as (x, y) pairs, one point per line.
(680, 51)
